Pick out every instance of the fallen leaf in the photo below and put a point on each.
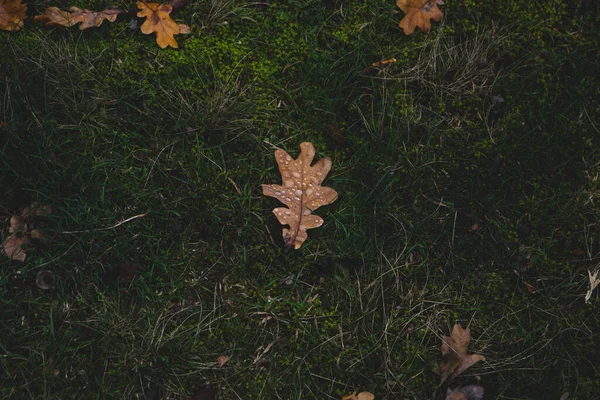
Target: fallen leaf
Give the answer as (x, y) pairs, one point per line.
(178, 3)
(159, 21)
(53, 16)
(17, 238)
(470, 392)
(360, 396)
(530, 288)
(222, 360)
(12, 14)
(19, 231)
(184, 29)
(418, 13)
(301, 192)
(455, 359)
(380, 64)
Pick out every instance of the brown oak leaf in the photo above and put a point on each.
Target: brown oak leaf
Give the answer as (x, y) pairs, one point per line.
(53, 16)
(455, 358)
(12, 14)
(159, 21)
(301, 192)
(418, 13)
(360, 396)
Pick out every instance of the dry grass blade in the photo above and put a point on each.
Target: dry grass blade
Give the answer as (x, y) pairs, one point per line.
(455, 353)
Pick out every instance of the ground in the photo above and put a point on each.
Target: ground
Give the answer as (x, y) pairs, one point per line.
(467, 174)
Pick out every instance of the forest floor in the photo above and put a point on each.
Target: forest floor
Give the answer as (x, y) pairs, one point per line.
(469, 193)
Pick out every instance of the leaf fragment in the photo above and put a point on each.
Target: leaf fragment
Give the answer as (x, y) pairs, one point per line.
(13, 244)
(301, 192)
(19, 231)
(12, 14)
(222, 360)
(159, 21)
(455, 358)
(418, 14)
(360, 396)
(54, 16)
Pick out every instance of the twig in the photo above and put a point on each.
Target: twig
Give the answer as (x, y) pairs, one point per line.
(110, 227)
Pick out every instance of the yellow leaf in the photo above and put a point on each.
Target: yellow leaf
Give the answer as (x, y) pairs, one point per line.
(159, 21)
(301, 192)
(53, 16)
(12, 14)
(418, 13)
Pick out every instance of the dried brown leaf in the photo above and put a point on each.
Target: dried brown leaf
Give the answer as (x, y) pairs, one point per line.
(455, 358)
(418, 14)
(45, 280)
(12, 14)
(19, 231)
(360, 396)
(301, 192)
(159, 21)
(470, 392)
(53, 16)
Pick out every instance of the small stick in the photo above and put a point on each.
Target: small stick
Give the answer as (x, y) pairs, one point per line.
(110, 227)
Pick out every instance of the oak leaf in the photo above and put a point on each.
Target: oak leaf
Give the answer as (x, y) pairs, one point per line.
(301, 192)
(455, 358)
(53, 16)
(12, 14)
(159, 21)
(418, 13)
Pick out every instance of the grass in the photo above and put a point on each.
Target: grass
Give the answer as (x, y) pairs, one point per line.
(467, 170)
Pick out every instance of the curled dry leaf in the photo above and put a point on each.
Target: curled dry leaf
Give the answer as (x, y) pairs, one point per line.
(53, 16)
(455, 359)
(222, 360)
(12, 14)
(470, 392)
(418, 14)
(360, 396)
(45, 280)
(19, 231)
(594, 282)
(301, 192)
(17, 238)
(159, 21)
